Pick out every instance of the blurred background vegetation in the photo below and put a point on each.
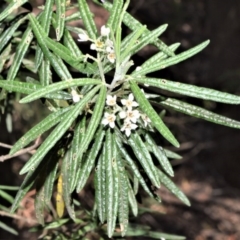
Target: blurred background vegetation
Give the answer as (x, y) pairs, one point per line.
(209, 170)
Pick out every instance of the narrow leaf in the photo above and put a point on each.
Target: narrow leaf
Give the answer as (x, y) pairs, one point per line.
(48, 122)
(191, 90)
(100, 187)
(8, 33)
(173, 60)
(45, 21)
(147, 39)
(59, 86)
(109, 183)
(79, 132)
(95, 119)
(10, 8)
(153, 116)
(20, 53)
(132, 199)
(57, 133)
(89, 162)
(7, 228)
(144, 158)
(160, 155)
(115, 13)
(171, 154)
(70, 44)
(67, 179)
(123, 209)
(29, 87)
(173, 188)
(87, 18)
(199, 112)
(158, 57)
(133, 167)
(60, 18)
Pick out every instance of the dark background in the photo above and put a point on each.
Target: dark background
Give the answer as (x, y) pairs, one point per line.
(209, 170)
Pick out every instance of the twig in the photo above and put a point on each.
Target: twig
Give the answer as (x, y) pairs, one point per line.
(15, 216)
(20, 152)
(5, 145)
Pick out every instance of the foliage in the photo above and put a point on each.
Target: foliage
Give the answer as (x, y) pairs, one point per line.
(105, 121)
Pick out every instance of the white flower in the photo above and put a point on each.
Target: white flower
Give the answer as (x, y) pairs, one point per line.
(129, 103)
(109, 46)
(127, 127)
(75, 96)
(111, 57)
(111, 100)
(145, 119)
(130, 115)
(122, 114)
(83, 37)
(105, 31)
(97, 45)
(109, 119)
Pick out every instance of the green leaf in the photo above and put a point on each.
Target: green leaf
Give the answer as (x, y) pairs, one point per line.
(153, 116)
(60, 18)
(133, 167)
(171, 154)
(87, 19)
(100, 186)
(144, 157)
(51, 171)
(39, 203)
(111, 185)
(26, 185)
(133, 24)
(132, 199)
(79, 132)
(6, 196)
(10, 8)
(115, 13)
(95, 120)
(173, 188)
(59, 86)
(172, 60)
(160, 155)
(191, 90)
(89, 162)
(8, 33)
(73, 17)
(48, 122)
(158, 57)
(28, 88)
(8, 229)
(59, 49)
(20, 53)
(147, 39)
(45, 74)
(5, 55)
(123, 209)
(66, 178)
(199, 112)
(9, 188)
(131, 39)
(71, 44)
(45, 22)
(58, 132)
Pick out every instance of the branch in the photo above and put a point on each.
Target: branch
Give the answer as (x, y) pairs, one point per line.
(20, 152)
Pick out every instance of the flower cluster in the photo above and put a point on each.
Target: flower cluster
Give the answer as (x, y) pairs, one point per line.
(127, 113)
(103, 44)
